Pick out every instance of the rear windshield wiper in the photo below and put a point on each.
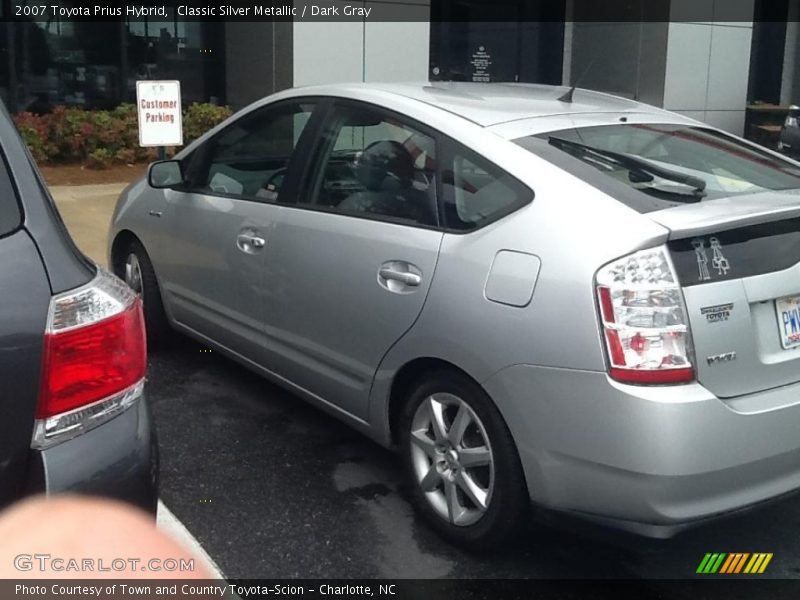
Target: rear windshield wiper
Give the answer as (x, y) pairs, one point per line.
(639, 166)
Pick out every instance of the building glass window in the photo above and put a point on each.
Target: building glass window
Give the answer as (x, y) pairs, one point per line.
(497, 40)
(191, 52)
(45, 62)
(69, 63)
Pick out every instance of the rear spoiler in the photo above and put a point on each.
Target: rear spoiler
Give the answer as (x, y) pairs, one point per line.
(712, 216)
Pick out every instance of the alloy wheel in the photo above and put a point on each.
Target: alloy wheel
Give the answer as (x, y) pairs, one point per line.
(133, 273)
(452, 459)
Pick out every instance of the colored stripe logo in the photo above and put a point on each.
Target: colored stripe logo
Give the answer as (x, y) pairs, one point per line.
(734, 563)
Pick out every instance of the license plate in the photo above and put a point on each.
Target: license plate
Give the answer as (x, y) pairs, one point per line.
(788, 313)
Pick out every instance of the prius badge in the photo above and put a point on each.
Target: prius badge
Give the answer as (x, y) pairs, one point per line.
(718, 359)
(718, 260)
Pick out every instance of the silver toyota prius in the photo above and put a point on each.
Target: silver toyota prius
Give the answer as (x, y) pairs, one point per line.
(540, 296)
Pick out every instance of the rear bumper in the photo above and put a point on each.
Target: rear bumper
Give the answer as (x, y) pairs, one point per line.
(118, 459)
(652, 460)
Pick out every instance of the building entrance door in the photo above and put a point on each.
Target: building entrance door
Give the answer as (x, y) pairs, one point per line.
(505, 40)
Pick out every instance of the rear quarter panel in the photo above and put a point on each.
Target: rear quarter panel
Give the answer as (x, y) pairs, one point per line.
(573, 229)
(66, 266)
(24, 302)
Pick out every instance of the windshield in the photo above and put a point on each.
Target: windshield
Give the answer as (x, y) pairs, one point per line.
(673, 163)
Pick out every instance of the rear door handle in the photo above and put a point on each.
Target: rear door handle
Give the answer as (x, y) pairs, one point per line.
(404, 277)
(250, 243)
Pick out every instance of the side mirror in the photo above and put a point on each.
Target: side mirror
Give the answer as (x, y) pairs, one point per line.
(165, 174)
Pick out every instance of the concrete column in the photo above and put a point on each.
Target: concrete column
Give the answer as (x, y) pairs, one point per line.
(364, 50)
(707, 62)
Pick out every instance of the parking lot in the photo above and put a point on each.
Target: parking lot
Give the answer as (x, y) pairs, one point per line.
(274, 488)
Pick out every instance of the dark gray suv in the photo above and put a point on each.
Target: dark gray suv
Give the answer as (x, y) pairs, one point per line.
(72, 355)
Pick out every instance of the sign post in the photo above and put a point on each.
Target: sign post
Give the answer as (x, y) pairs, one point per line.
(160, 114)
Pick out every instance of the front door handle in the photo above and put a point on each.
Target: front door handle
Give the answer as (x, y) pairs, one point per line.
(404, 277)
(250, 242)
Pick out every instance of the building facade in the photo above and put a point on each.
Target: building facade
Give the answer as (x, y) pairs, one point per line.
(711, 64)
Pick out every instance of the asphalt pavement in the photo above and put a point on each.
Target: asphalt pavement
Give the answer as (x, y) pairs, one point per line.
(272, 487)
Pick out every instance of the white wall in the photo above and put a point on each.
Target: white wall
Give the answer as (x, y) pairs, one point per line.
(328, 52)
(708, 64)
(364, 51)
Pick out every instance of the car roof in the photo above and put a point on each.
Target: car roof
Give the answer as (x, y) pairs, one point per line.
(490, 104)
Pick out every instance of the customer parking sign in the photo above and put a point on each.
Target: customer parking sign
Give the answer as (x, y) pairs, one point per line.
(159, 107)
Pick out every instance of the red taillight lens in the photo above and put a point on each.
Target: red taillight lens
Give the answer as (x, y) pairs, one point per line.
(644, 320)
(95, 358)
(90, 363)
(652, 377)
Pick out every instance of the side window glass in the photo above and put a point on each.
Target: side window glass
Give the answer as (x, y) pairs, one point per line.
(250, 158)
(373, 164)
(10, 216)
(477, 192)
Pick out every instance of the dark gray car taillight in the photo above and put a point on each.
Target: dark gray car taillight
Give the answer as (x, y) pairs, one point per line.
(95, 359)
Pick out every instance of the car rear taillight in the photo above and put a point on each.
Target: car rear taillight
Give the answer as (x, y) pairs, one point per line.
(644, 320)
(95, 359)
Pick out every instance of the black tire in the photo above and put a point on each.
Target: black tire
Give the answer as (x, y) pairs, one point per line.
(155, 318)
(508, 503)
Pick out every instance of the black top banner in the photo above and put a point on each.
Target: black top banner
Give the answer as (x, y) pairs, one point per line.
(578, 11)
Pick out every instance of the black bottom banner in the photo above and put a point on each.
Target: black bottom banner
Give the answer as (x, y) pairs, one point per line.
(400, 589)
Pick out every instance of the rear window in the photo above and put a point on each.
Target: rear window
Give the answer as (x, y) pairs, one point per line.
(10, 215)
(666, 165)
